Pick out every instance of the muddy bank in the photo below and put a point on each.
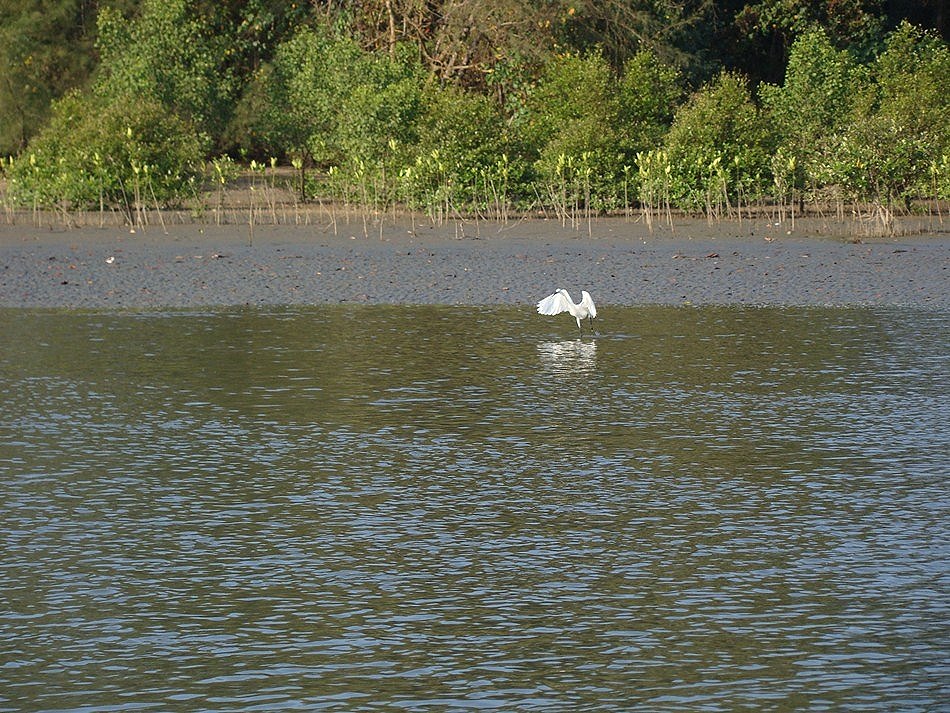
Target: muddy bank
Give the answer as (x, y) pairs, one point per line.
(620, 261)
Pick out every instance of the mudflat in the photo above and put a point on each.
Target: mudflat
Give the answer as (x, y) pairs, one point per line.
(620, 261)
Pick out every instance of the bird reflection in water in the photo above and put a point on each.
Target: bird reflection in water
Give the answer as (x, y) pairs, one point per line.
(572, 356)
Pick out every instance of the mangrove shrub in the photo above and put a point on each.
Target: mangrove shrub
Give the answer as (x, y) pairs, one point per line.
(809, 111)
(460, 156)
(898, 134)
(718, 148)
(169, 57)
(122, 154)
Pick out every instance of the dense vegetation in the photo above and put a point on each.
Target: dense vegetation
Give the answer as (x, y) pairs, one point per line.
(464, 106)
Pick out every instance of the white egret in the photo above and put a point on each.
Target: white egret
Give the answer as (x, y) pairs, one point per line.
(561, 301)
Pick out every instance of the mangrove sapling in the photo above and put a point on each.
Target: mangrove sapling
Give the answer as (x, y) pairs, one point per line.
(504, 172)
(198, 204)
(667, 181)
(586, 170)
(331, 174)
(140, 218)
(405, 191)
(7, 166)
(250, 218)
(297, 163)
(654, 175)
(737, 163)
(626, 191)
(561, 170)
(361, 177)
(223, 172)
(272, 190)
(940, 175)
(151, 188)
(36, 172)
(251, 203)
(125, 203)
(259, 173)
(99, 173)
(715, 189)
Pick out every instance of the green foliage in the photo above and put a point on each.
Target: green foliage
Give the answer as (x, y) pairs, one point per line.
(718, 146)
(327, 98)
(569, 128)
(462, 124)
(586, 125)
(899, 130)
(654, 175)
(572, 89)
(141, 131)
(119, 155)
(252, 28)
(454, 106)
(940, 177)
(381, 101)
(460, 153)
(647, 94)
(814, 100)
(262, 123)
(45, 50)
(166, 56)
(856, 24)
(811, 107)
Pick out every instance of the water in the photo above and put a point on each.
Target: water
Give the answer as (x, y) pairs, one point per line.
(445, 509)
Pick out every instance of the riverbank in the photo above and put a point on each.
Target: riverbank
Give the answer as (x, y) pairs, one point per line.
(620, 261)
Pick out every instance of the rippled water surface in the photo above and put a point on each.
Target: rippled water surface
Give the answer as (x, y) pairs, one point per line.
(450, 508)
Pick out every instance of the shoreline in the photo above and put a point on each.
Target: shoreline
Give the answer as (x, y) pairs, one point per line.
(621, 262)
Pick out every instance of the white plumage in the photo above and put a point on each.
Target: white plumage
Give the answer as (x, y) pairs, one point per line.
(561, 301)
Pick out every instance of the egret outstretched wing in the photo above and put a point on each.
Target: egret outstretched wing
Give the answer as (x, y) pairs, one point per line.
(554, 304)
(588, 302)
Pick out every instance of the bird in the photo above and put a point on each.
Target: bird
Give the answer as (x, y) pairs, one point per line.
(561, 301)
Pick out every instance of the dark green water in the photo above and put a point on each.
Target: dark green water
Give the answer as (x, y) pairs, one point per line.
(458, 508)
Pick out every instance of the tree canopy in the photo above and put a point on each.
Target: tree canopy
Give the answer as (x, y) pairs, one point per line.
(48, 47)
(587, 103)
